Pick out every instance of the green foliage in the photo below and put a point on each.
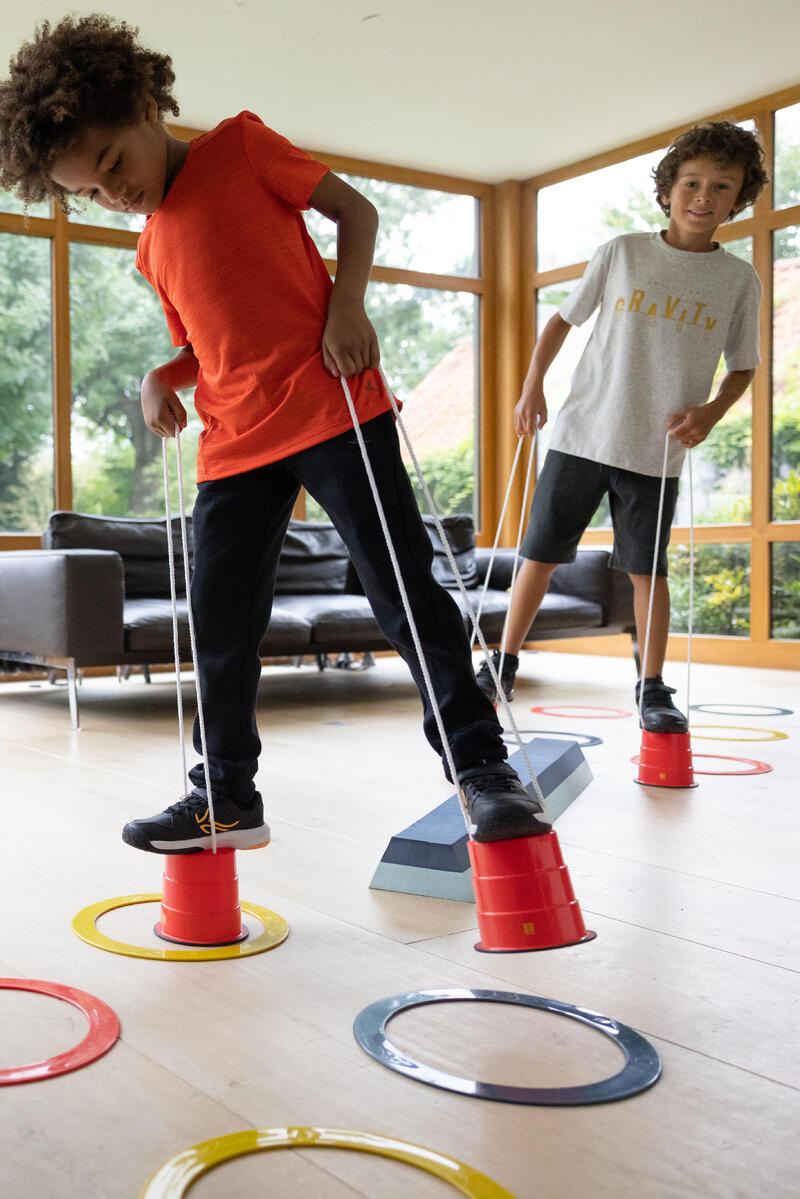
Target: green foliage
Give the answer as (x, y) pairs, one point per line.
(786, 590)
(786, 497)
(721, 589)
(26, 429)
(450, 476)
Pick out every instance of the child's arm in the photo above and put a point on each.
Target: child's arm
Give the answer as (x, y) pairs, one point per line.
(349, 343)
(161, 406)
(531, 409)
(690, 426)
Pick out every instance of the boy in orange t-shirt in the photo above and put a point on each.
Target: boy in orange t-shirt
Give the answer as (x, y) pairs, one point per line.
(266, 338)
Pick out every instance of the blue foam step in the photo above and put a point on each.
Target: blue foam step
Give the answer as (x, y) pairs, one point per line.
(430, 857)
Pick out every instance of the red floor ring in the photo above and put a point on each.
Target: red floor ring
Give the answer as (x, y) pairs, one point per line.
(103, 1032)
(760, 767)
(608, 713)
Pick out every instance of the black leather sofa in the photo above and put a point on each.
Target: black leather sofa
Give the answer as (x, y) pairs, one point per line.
(97, 594)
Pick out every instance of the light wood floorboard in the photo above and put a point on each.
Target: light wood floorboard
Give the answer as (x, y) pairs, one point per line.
(694, 895)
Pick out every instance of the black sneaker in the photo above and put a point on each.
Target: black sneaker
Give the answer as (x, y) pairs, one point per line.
(185, 827)
(486, 682)
(498, 806)
(659, 714)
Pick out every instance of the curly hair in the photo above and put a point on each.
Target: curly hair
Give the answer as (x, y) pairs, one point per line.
(726, 144)
(83, 71)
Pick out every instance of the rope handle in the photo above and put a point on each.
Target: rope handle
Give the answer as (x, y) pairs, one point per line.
(192, 640)
(459, 581)
(653, 579)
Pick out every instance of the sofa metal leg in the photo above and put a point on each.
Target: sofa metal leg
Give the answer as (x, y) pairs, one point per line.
(72, 691)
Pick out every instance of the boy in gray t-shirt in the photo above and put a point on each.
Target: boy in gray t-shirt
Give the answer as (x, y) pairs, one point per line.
(670, 304)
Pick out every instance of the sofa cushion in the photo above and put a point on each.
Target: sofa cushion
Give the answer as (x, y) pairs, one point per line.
(565, 612)
(493, 612)
(338, 622)
(148, 630)
(313, 561)
(142, 545)
(460, 533)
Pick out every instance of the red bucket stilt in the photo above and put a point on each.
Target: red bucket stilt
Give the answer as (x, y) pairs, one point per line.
(200, 903)
(665, 760)
(524, 895)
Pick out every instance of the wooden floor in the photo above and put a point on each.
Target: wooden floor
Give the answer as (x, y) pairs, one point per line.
(693, 894)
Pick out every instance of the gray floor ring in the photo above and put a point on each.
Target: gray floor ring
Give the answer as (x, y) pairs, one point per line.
(642, 1064)
(584, 739)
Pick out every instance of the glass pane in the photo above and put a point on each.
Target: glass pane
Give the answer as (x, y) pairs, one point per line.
(577, 216)
(10, 203)
(742, 247)
(747, 212)
(420, 229)
(786, 375)
(721, 589)
(558, 378)
(429, 352)
(118, 334)
(786, 176)
(93, 214)
(26, 385)
(785, 622)
(722, 465)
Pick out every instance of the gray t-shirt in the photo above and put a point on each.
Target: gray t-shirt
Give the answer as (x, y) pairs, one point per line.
(665, 318)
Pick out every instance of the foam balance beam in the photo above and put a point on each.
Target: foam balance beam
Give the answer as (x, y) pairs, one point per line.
(430, 857)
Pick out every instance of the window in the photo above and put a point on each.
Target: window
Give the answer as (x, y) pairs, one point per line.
(118, 334)
(786, 374)
(26, 429)
(747, 472)
(428, 332)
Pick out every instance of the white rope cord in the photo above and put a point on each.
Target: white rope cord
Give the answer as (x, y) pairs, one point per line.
(653, 580)
(643, 670)
(522, 517)
(490, 564)
(403, 593)
(185, 550)
(460, 583)
(173, 594)
(691, 590)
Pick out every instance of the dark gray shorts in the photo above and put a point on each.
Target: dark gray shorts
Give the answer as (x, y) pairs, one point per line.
(567, 495)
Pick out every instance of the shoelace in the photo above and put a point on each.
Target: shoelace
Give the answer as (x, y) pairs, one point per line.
(189, 803)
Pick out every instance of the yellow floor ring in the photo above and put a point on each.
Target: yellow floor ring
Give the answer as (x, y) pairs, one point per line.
(772, 734)
(173, 1179)
(84, 925)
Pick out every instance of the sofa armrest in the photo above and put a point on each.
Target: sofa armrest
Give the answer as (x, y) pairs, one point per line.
(61, 603)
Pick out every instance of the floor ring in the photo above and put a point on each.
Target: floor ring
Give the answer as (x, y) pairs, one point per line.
(587, 711)
(772, 734)
(752, 710)
(103, 1032)
(642, 1064)
(174, 1177)
(84, 924)
(584, 740)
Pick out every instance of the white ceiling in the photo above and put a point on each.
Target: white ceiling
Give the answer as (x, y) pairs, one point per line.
(486, 89)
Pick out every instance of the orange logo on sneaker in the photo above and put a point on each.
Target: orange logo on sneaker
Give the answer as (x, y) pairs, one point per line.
(206, 827)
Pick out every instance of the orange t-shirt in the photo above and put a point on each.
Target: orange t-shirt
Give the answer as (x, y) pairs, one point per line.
(241, 281)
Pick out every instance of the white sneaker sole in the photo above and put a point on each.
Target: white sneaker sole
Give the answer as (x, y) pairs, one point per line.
(247, 838)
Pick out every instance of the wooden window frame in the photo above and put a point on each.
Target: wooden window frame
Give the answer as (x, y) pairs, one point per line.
(759, 649)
